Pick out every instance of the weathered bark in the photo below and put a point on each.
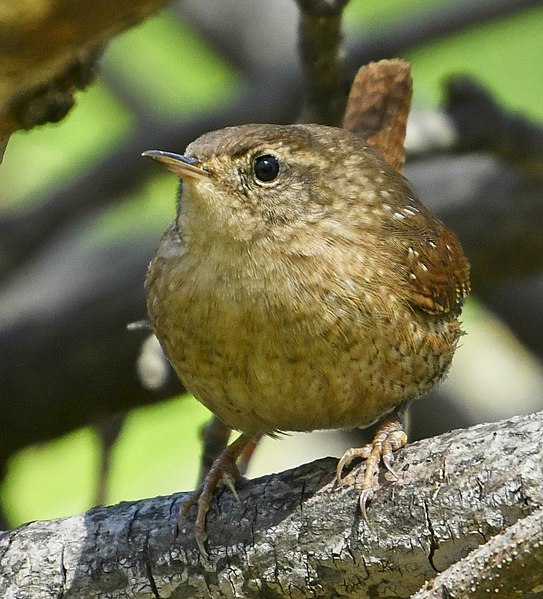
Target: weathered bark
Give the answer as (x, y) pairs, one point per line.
(509, 565)
(296, 534)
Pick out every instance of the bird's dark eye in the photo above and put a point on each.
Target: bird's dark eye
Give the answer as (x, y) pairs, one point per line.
(266, 167)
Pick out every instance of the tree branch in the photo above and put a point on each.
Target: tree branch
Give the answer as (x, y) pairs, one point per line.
(320, 40)
(67, 358)
(495, 210)
(410, 31)
(510, 565)
(40, 71)
(296, 534)
(482, 124)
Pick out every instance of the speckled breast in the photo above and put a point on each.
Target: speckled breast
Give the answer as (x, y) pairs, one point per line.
(286, 353)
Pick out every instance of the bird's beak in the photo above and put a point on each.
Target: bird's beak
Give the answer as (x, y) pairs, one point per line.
(182, 166)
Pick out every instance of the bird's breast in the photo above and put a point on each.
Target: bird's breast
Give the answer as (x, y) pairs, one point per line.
(290, 342)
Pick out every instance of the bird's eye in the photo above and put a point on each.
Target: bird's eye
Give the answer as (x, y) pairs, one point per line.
(266, 167)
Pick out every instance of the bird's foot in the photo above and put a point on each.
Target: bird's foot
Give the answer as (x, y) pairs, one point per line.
(223, 471)
(389, 437)
(215, 435)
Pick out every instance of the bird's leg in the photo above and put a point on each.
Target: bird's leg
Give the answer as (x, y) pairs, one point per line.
(214, 435)
(224, 470)
(389, 437)
(247, 455)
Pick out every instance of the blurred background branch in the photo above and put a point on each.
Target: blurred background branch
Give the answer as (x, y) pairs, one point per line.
(320, 53)
(48, 51)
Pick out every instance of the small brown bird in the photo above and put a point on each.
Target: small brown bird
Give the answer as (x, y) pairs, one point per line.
(302, 286)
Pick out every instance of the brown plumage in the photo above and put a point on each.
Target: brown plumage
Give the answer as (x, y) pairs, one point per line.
(325, 296)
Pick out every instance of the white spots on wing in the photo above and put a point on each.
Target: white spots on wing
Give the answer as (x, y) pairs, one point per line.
(406, 211)
(414, 256)
(432, 244)
(386, 207)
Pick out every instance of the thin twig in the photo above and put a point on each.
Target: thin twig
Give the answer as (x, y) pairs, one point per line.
(320, 41)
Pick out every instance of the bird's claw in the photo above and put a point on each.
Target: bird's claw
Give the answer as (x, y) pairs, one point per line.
(388, 438)
(363, 501)
(223, 471)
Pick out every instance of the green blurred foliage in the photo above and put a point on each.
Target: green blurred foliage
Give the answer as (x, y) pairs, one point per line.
(505, 56)
(167, 65)
(43, 158)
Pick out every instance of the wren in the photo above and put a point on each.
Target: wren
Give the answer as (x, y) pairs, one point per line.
(302, 286)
